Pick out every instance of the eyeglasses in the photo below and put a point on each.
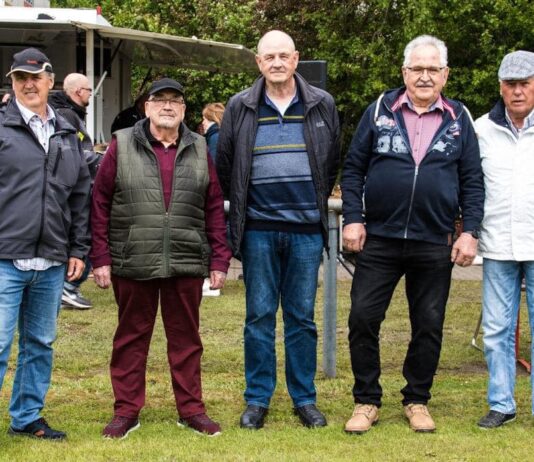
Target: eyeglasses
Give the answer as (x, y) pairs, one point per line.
(431, 71)
(90, 90)
(174, 102)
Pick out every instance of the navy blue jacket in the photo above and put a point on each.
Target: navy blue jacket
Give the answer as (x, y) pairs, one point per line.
(403, 200)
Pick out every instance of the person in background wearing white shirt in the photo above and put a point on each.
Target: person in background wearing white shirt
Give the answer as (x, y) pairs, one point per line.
(506, 138)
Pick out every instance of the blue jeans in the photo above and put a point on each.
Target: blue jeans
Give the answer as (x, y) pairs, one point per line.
(501, 289)
(31, 299)
(280, 267)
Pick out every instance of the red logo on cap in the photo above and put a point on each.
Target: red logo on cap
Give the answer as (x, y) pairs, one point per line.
(31, 61)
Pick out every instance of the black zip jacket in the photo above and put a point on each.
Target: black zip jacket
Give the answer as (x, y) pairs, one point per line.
(75, 115)
(403, 200)
(237, 137)
(44, 196)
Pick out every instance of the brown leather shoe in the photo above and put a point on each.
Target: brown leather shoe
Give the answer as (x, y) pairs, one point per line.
(419, 418)
(363, 418)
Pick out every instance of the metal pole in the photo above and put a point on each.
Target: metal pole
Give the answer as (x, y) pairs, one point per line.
(330, 297)
(90, 74)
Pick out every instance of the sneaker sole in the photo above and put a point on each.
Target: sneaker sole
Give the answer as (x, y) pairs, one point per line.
(13, 433)
(135, 427)
(491, 428)
(184, 425)
(361, 432)
(66, 301)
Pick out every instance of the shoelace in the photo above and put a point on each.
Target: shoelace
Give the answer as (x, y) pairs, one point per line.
(419, 408)
(365, 410)
(118, 421)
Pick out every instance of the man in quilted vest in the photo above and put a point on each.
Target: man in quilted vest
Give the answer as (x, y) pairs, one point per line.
(158, 230)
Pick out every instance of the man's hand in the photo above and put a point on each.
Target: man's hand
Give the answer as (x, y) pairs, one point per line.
(102, 276)
(464, 250)
(354, 237)
(75, 269)
(217, 279)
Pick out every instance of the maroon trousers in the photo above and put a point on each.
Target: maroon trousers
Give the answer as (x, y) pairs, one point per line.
(138, 306)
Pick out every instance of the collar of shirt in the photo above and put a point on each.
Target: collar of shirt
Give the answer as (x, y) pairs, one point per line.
(404, 99)
(528, 122)
(270, 103)
(28, 114)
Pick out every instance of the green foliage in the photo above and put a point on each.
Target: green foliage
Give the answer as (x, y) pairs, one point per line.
(362, 40)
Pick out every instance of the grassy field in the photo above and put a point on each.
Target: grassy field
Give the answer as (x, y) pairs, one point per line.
(80, 399)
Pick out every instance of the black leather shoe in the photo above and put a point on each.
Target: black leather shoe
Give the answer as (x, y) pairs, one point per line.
(253, 417)
(495, 419)
(310, 416)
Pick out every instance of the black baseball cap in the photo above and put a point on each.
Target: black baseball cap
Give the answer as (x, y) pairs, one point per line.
(165, 84)
(30, 60)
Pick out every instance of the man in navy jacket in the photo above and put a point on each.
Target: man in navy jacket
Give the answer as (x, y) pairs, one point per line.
(412, 167)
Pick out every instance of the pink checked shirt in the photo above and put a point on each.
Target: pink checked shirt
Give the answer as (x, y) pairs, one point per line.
(421, 127)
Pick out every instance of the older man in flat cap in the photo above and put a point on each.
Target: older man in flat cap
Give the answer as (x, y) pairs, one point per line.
(44, 214)
(158, 229)
(506, 137)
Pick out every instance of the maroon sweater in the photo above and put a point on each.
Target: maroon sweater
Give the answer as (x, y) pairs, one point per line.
(103, 196)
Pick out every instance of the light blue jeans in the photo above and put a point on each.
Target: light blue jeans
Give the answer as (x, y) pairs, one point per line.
(501, 299)
(30, 299)
(280, 267)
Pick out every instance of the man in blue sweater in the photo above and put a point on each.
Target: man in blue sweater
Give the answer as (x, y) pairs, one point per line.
(277, 161)
(414, 158)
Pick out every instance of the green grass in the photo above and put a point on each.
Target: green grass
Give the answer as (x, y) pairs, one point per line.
(80, 399)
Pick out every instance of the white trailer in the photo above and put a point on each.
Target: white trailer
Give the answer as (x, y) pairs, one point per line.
(82, 40)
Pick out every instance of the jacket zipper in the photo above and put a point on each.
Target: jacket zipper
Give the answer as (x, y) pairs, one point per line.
(416, 172)
(411, 201)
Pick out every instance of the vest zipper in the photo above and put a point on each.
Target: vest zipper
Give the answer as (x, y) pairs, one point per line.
(166, 244)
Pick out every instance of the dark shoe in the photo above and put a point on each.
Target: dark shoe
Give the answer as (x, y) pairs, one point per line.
(495, 419)
(202, 424)
(120, 426)
(310, 416)
(38, 429)
(74, 299)
(253, 417)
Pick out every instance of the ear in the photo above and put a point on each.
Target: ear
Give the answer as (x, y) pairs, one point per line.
(258, 62)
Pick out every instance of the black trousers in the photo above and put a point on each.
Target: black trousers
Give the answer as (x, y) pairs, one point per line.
(379, 267)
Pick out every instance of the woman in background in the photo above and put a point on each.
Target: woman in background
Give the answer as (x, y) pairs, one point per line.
(212, 115)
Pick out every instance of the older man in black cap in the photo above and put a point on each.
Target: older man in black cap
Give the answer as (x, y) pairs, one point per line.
(44, 214)
(506, 138)
(158, 229)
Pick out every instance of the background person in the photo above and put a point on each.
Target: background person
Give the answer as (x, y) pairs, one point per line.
(212, 116)
(44, 217)
(131, 115)
(158, 229)
(416, 157)
(71, 104)
(277, 161)
(506, 137)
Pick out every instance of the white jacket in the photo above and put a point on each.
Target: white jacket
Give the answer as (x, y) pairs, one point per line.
(507, 231)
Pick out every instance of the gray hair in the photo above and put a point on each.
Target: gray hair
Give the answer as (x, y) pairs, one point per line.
(425, 40)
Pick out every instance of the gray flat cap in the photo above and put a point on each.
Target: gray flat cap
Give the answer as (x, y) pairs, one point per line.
(518, 65)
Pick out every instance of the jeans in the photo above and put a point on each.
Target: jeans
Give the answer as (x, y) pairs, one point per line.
(379, 267)
(501, 296)
(280, 267)
(31, 299)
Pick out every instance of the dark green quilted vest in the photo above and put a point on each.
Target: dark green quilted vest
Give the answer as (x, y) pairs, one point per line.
(147, 241)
